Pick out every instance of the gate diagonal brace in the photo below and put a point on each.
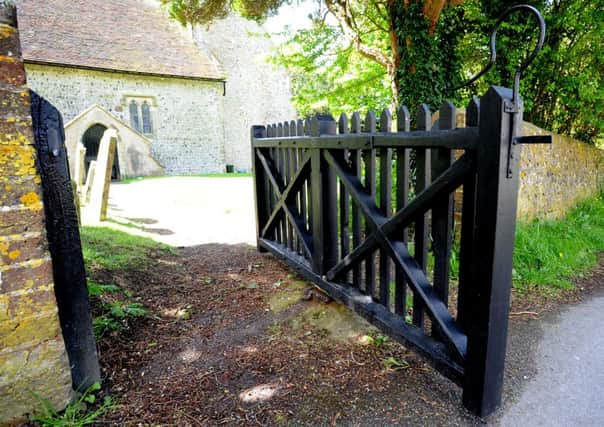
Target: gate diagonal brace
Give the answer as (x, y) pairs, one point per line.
(382, 227)
(284, 194)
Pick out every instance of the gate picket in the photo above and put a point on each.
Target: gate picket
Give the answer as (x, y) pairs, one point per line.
(403, 124)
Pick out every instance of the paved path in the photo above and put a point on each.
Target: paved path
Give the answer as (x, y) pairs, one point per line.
(186, 211)
(568, 389)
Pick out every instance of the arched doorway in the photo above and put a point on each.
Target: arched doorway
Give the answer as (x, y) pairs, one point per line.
(91, 140)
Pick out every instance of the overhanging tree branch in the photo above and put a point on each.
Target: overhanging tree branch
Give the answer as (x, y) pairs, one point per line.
(340, 10)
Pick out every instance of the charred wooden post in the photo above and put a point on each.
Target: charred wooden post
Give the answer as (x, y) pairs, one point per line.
(64, 243)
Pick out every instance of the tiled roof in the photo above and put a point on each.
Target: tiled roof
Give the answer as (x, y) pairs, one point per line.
(123, 35)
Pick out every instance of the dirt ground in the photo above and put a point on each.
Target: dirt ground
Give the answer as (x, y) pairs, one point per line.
(231, 339)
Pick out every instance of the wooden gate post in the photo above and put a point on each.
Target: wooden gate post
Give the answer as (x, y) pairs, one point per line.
(491, 260)
(260, 189)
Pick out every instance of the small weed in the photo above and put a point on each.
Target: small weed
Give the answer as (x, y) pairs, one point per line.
(97, 289)
(378, 340)
(251, 286)
(117, 316)
(77, 413)
(275, 329)
(395, 363)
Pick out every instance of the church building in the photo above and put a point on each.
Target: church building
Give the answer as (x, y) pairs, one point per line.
(181, 99)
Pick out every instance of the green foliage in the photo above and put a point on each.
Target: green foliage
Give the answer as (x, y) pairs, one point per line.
(563, 89)
(114, 250)
(329, 75)
(84, 411)
(430, 64)
(550, 253)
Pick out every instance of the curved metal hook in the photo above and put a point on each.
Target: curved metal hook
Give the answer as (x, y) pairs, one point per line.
(493, 49)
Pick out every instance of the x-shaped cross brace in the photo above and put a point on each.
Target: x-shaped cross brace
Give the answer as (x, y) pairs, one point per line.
(382, 236)
(285, 203)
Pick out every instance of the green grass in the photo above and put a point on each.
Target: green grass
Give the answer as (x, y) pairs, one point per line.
(116, 250)
(130, 180)
(551, 253)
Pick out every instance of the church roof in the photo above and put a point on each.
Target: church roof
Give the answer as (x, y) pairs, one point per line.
(133, 36)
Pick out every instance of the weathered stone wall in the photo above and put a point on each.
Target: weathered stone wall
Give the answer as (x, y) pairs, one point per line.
(187, 114)
(32, 351)
(256, 91)
(554, 178)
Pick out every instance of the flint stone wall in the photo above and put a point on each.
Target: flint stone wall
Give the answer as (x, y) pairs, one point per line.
(187, 115)
(257, 92)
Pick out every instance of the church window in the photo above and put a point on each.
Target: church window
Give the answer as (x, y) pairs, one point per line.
(146, 115)
(142, 110)
(134, 120)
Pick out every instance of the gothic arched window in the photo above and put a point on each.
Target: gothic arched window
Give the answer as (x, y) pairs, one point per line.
(134, 121)
(146, 114)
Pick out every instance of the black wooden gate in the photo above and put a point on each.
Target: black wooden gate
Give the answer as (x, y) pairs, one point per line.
(367, 215)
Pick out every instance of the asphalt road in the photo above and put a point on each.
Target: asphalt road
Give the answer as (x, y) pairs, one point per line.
(567, 388)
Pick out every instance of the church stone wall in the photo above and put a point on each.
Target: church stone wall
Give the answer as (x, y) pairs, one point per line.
(256, 91)
(187, 114)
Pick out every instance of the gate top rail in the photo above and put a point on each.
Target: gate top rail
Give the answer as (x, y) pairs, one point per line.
(457, 139)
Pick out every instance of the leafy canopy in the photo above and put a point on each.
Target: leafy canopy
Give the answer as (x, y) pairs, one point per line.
(205, 11)
(384, 52)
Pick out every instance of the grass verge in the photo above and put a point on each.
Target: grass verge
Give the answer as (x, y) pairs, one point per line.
(108, 253)
(203, 175)
(550, 253)
(115, 250)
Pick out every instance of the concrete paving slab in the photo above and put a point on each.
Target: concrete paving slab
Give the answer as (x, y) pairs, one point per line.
(185, 211)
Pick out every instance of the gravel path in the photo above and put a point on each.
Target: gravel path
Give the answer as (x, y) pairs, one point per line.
(185, 211)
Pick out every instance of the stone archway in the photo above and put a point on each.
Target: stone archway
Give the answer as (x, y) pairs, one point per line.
(91, 140)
